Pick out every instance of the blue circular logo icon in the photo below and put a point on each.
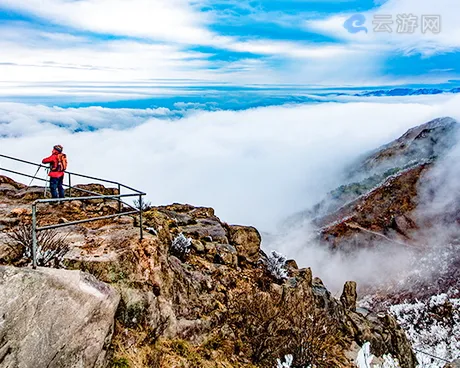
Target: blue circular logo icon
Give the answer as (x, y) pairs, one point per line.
(355, 23)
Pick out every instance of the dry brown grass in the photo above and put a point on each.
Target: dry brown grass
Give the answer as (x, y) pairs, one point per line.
(132, 349)
(271, 325)
(51, 245)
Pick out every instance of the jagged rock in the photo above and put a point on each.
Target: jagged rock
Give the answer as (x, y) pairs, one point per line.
(8, 254)
(226, 254)
(384, 335)
(18, 212)
(205, 228)
(292, 264)
(404, 225)
(349, 295)
(125, 220)
(9, 222)
(54, 318)
(210, 249)
(198, 246)
(30, 193)
(6, 181)
(304, 282)
(246, 240)
(95, 188)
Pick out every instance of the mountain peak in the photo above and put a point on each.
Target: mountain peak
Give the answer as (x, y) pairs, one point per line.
(438, 123)
(419, 144)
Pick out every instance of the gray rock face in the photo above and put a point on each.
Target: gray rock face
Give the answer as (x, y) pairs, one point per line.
(54, 318)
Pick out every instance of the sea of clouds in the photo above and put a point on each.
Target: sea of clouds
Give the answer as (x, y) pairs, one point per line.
(255, 167)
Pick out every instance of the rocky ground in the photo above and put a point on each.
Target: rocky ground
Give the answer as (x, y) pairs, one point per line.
(207, 298)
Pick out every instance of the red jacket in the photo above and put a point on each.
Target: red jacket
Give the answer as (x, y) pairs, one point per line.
(53, 160)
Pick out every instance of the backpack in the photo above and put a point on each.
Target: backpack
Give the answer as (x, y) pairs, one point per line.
(61, 163)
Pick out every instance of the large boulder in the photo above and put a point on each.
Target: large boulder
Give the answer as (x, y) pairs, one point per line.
(54, 318)
(246, 240)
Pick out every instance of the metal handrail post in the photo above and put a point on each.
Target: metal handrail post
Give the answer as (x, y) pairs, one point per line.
(70, 184)
(34, 236)
(119, 200)
(140, 217)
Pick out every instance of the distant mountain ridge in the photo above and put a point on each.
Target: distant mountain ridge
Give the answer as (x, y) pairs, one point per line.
(407, 92)
(421, 145)
(400, 163)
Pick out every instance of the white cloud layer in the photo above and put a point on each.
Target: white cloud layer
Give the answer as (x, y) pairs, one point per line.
(255, 167)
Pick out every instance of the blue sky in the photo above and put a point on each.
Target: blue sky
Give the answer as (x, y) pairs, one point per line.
(102, 51)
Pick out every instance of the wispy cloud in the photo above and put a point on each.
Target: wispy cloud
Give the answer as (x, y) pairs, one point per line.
(168, 20)
(212, 40)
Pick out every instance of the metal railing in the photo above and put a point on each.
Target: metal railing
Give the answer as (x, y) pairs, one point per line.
(91, 195)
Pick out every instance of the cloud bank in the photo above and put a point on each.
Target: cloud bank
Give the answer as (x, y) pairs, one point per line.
(255, 167)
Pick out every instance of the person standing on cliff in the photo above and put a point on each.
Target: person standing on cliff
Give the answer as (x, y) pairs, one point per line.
(58, 165)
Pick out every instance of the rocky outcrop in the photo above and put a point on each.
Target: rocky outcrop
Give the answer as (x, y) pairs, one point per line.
(382, 215)
(54, 318)
(187, 311)
(349, 295)
(424, 142)
(247, 241)
(378, 206)
(417, 147)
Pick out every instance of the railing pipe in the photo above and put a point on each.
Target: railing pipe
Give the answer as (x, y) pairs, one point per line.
(104, 180)
(119, 202)
(19, 160)
(34, 236)
(19, 173)
(140, 217)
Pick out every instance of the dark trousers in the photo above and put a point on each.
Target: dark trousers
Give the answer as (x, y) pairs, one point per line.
(56, 187)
